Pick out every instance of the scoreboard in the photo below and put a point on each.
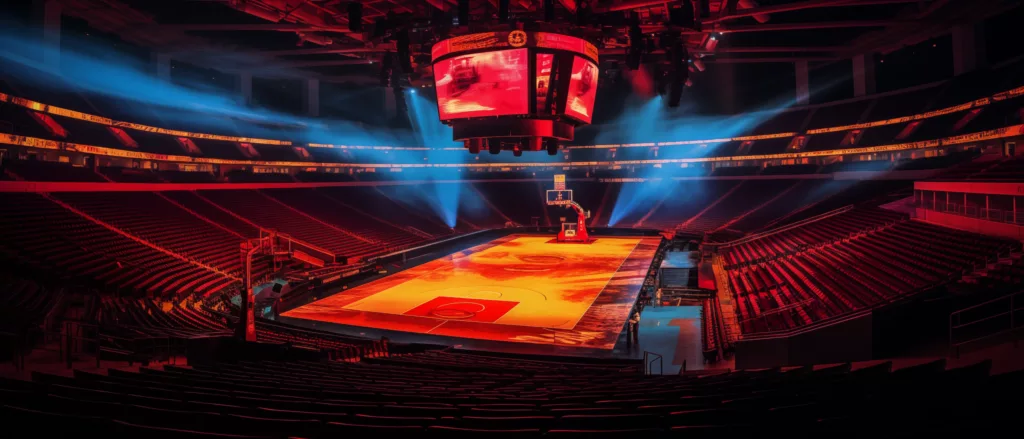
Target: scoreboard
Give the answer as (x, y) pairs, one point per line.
(515, 85)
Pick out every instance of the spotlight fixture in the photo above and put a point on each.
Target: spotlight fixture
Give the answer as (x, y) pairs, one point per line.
(355, 17)
(463, 13)
(636, 45)
(402, 47)
(385, 70)
(552, 146)
(682, 16)
(680, 72)
(503, 11)
(711, 42)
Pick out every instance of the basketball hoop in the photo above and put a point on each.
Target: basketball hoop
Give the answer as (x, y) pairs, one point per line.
(560, 196)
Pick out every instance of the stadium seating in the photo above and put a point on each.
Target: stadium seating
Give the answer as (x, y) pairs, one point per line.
(177, 244)
(188, 317)
(448, 395)
(37, 170)
(335, 211)
(747, 198)
(837, 227)
(847, 262)
(153, 217)
(375, 201)
(24, 303)
(133, 317)
(269, 213)
(44, 233)
(930, 97)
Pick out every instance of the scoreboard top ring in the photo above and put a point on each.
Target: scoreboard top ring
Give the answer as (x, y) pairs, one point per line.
(510, 40)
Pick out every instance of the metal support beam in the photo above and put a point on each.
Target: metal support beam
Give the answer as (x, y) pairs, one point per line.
(162, 63)
(311, 97)
(281, 27)
(863, 75)
(354, 79)
(812, 4)
(245, 88)
(933, 20)
(439, 4)
(326, 63)
(768, 60)
(725, 83)
(629, 5)
(805, 49)
(803, 88)
(329, 50)
(806, 26)
(48, 15)
(968, 48)
(390, 105)
(719, 51)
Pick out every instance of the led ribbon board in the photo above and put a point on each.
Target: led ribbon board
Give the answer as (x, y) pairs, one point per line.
(32, 142)
(510, 40)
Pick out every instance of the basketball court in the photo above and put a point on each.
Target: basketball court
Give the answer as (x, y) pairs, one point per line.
(518, 288)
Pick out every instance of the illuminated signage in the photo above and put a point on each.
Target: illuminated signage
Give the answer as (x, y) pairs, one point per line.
(564, 42)
(904, 119)
(582, 89)
(1010, 131)
(57, 111)
(513, 39)
(543, 85)
(483, 84)
(517, 38)
(465, 41)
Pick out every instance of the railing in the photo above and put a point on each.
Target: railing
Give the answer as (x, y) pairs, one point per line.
(18, 342)
(972, 211)
(985, 320)
(789, 306)
(649, 359)
(358, 347)
(843, 317)
(72, 341)
(797, 224)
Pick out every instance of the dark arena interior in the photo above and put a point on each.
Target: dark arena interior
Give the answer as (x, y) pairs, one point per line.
(511, 218)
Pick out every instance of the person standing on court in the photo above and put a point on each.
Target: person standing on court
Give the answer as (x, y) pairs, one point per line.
(634, 326)
(657, 297)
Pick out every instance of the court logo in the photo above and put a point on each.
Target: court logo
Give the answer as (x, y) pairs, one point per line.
(517, 38)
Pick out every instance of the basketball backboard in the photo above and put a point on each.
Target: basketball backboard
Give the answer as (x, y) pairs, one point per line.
(559, 197)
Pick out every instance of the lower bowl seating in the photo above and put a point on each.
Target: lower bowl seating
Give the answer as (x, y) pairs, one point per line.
(282, 399)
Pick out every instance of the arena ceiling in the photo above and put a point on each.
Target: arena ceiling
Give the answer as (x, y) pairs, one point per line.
(313, 37)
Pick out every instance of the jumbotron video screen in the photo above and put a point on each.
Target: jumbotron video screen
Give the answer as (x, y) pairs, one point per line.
(544, 64)
(483, 84)
(515, 90)
(582, 90)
